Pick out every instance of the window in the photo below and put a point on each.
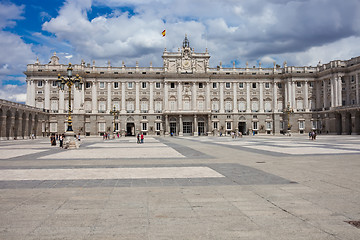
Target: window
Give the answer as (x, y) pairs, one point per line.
(102, 85)
(158, 117)
(255, 125)
(267, 85)
(228, 126)
(201, 85)
(253, 85)
(144, 127)
(352, 79)
(116, 85)
(301, 125)
(268, 125)
(215, 125)
(227, 85)
(40, 83)
(157, 85)
(54, 84)
(298, 84)
(102, 106)
(241, 85)
(172, 85)
(311, 84)
(228, 106)
(158, 126)
(87, 85)
(144, 117)
(214, 85)
(279, 85)
(130, 85)
(130, 107)
(143, 85)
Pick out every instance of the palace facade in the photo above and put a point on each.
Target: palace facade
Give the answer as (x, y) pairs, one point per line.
(187, 97)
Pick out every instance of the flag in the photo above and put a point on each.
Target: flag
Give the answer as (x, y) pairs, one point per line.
(164, 32)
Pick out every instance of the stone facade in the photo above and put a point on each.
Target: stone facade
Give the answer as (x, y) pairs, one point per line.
(187, 97)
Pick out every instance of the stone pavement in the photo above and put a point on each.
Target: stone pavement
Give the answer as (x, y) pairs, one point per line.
(255, 187)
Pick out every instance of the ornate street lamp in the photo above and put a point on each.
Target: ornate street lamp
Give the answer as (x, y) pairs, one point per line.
(114, 113)
(69, 81)
(288, 111)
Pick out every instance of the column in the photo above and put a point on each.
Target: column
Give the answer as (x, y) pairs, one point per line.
(137, 97)
(209, 128)
(33, 94)
(109, 106)
(194, 97)
(248, 100)
(61, 101)
(235, 86)
(179, 98)
(208, 100)
(77, 100)
(222, 97)
(151, 103)
(47, 94)
(94, 97)
(348, 90)
(293, 96)
(317, 84)
(275, 107)
(357, 89)
(325, 94)
(332, 87)
(195, 126)
(28, 92)
(167, 127)
(306, 96)
(166, 97)
(339, 81)
(180, 126)
(261, 99)
(123, 99)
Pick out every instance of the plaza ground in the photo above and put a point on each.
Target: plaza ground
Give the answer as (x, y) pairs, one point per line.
(255, 187)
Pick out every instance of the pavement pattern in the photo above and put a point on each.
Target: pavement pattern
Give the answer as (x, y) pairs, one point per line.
(254, 187)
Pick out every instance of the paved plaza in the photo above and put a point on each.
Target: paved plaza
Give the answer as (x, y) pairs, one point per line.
(255, 187)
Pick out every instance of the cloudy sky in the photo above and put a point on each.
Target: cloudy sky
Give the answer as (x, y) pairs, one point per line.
(301, 32)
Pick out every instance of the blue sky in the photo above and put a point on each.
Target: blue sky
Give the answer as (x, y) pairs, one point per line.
(301, 32)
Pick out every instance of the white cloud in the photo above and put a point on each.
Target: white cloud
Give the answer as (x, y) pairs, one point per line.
(232, 30)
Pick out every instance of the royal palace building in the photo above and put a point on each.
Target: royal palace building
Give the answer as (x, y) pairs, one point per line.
(187, 97)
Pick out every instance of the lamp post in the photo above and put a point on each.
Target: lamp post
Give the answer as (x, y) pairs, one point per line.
(69, 81)
(288, 111)
(114, 113)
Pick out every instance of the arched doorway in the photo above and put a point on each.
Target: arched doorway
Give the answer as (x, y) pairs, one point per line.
(16, 126)
(30, 123)
(172, 125)
(242, 125)
(348, 123)
(8, 124)
(357, 122)
(130, 127)
(201, 127)
(23, 126)
(338, 123)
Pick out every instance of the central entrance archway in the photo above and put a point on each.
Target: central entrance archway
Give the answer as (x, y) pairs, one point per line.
(242, 127)
(130, 129)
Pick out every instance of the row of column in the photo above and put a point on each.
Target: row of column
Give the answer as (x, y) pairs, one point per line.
(195, 126)
(290, 95)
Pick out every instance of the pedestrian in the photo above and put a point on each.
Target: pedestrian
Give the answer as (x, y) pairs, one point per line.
(53, 140)
(138, 138)
(79, 137)
(310, 135)
(142, 138)
(61, 140)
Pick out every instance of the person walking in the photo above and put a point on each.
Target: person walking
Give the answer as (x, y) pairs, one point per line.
(138, 138)
(61, 140)
(142, 138)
